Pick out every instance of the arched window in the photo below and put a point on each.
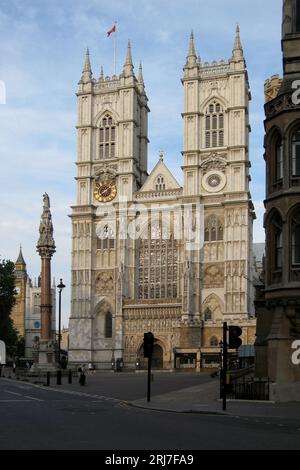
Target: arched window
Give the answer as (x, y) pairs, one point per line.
(158, 263)
(214, 341)
(296, 153)
(296, 238)
(213, 230)
(214, 125)
(279, 159)
(207, 314)
(107, 138)
(105, 238)
(160, 183)
(108, 325)
(36, 303)
(278, 245)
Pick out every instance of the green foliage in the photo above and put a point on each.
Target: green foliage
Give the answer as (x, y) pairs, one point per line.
(8, 333)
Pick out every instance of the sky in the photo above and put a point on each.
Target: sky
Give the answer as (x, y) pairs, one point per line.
(42, 49)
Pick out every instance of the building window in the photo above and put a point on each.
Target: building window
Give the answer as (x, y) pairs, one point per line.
(160, 183)
(214, 341)
(296, 153)
(214, 125)
(296, 238)
(158, 264)
(213, 230)
(107, 138)
(278, 243)
(108, 325)
(105, 239)
(279, 158)
(207, 314)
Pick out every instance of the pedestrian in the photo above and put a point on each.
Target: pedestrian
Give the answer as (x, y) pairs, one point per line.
(82, 376)
(14, 367)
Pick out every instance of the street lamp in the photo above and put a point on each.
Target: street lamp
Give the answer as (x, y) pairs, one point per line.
(60, 287)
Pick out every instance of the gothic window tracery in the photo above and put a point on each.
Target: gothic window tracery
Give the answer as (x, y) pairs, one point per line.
(276, 224)
(207, 314)
(295, 227)
(160, 183)
(158, 263)
(213, 230)
(214, 125)
(108, 325)
(107, 138)
(279, 158)
(296, 153)
(106, 238)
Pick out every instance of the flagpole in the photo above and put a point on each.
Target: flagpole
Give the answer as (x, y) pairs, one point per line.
(115, 52)
(115, 60)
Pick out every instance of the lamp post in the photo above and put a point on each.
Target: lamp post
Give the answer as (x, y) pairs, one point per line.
(60, 287)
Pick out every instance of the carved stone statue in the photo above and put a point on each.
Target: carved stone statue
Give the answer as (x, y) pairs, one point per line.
(46, 201)
(46, 244)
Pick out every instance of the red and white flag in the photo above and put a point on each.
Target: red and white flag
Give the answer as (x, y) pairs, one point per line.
(112, 30)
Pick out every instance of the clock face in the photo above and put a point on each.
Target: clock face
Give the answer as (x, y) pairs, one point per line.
(105, 191)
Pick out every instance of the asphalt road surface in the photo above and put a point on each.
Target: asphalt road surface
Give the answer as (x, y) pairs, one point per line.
(37, 417)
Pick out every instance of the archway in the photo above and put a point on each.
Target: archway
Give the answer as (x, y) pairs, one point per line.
(157, 357)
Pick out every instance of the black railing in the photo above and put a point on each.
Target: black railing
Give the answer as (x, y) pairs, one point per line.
(245, 389)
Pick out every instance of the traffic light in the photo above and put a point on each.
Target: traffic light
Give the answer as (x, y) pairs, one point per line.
(234, 340)
(148, 344)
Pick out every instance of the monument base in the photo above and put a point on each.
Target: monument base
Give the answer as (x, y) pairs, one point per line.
(46, 357)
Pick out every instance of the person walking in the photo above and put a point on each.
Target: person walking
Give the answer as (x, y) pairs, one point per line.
(82, 376)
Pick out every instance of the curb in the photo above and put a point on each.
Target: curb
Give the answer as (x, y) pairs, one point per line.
(168, 410)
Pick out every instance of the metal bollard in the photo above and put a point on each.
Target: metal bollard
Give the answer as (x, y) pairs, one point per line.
(70, 377)
(48, 379)
(58, 377)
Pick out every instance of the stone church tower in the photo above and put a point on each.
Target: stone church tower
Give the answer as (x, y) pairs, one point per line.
(279, 315)
(134, 269)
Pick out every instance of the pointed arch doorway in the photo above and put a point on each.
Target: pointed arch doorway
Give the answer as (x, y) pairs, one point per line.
(157, 358)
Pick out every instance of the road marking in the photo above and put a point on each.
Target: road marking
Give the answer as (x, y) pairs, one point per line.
(33, 398)
(13, 393)
(14, 401)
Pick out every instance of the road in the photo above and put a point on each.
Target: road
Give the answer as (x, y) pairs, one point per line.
(95, 417)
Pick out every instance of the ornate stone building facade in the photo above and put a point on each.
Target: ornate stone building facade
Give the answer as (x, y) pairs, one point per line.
(279, 313)
(132, 274)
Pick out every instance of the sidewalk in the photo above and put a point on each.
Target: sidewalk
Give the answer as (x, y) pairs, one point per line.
(204, 399)
(200, 399)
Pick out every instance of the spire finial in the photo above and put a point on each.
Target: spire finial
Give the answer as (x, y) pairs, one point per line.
(140, 76)
(237, 48)
(161, 155)
(87, 70)
(128, 67)
(20, 259)
(141, 83)
(191, 59)
(192, 51)
(101, 78)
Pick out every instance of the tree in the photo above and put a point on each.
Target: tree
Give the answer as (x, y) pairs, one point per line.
(8, 332)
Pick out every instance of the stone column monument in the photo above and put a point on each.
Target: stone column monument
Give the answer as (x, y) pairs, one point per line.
(46, 248)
